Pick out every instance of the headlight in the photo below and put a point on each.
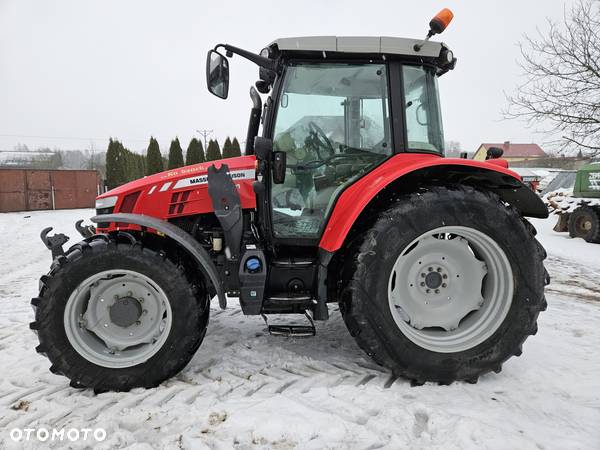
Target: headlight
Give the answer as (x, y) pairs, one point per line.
(106, 202)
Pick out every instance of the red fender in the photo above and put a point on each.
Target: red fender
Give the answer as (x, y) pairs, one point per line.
(357, 196)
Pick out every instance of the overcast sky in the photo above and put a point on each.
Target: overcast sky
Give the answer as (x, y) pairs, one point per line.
(76, 72)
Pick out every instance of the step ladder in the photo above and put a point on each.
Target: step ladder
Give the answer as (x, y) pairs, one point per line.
(292, 330)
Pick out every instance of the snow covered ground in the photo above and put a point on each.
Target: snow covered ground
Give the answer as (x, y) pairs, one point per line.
(245, 389)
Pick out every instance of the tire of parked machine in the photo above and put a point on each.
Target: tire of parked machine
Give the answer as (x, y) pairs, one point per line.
(584, 223)
(446, 285)
(114, 316)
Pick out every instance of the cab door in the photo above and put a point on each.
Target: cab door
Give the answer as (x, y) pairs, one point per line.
(333, 122)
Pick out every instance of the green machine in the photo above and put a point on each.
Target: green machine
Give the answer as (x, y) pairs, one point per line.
(579, 212)
(587, 181)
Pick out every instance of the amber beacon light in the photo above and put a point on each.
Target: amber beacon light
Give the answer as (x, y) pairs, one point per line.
(438, 24)
(440, 21)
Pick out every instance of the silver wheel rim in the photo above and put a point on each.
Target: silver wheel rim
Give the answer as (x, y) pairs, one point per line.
(450, 289)
(117, 318)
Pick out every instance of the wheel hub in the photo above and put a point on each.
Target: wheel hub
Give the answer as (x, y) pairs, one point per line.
(117, 318)
(125, 311)
(450, 288)
(429, 298)
(433, 280)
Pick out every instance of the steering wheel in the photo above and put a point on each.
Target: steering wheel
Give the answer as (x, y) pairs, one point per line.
(320, 139)
(329, 160)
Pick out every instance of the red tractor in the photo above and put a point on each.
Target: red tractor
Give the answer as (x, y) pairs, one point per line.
(345, 198)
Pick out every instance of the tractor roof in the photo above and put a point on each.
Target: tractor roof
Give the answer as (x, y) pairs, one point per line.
(359, 45)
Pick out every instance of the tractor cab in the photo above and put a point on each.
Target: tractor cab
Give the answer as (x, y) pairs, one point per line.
(337, 108)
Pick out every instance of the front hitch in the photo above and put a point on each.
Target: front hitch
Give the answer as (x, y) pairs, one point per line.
(53, 243)
(86, 231)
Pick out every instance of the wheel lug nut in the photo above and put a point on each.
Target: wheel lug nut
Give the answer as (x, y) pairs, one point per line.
(444, 276)
(430, 269)
(427, 290)
(439, 269)
(105, 325)
(437, 291)
(129, 293)
(137, 322)
(422, 275)
(422, 283)
(444, 285)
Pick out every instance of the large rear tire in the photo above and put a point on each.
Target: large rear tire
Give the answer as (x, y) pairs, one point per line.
(584, 223)
(446, 285)
(116, 316)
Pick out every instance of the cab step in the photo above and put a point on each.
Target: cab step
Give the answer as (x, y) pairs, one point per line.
(287, 303)
(292, 330)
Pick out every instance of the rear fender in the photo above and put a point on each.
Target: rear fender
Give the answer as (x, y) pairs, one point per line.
(184, 239)
(408, 172)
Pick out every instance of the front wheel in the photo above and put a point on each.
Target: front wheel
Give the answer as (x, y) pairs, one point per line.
(445, 286)
(115, 316)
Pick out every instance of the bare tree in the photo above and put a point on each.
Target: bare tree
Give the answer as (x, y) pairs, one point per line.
(562, 67)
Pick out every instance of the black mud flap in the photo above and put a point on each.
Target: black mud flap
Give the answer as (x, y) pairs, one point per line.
(228, 209)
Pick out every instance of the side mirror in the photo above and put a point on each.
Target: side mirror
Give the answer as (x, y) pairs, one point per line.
(494, 153)
(217, 74)
(279, 163)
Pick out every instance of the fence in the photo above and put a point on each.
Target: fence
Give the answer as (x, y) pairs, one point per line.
(29, 190)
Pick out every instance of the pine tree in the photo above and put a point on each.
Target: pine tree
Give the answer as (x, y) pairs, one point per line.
(213, 152)
(175, 155)
(201, 151)
(140, 169)
(195, 153)
(235, 148)
(130, 164)
(218, 150)
(154, 163)
(227, 148)
(112, 161)
(116, 164)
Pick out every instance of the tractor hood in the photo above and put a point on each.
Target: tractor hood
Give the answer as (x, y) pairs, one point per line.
(178, 192)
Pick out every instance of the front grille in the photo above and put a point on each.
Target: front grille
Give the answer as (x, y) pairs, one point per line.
(129, 202)
(102, 211)
(178, 200)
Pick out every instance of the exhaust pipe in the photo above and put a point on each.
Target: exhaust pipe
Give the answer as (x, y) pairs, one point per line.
(254, 121)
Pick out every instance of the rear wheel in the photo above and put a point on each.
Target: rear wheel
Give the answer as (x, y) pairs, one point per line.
(114, 316)
(584, 223)
(445, 286)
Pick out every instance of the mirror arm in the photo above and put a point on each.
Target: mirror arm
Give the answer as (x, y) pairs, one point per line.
(256, 59)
